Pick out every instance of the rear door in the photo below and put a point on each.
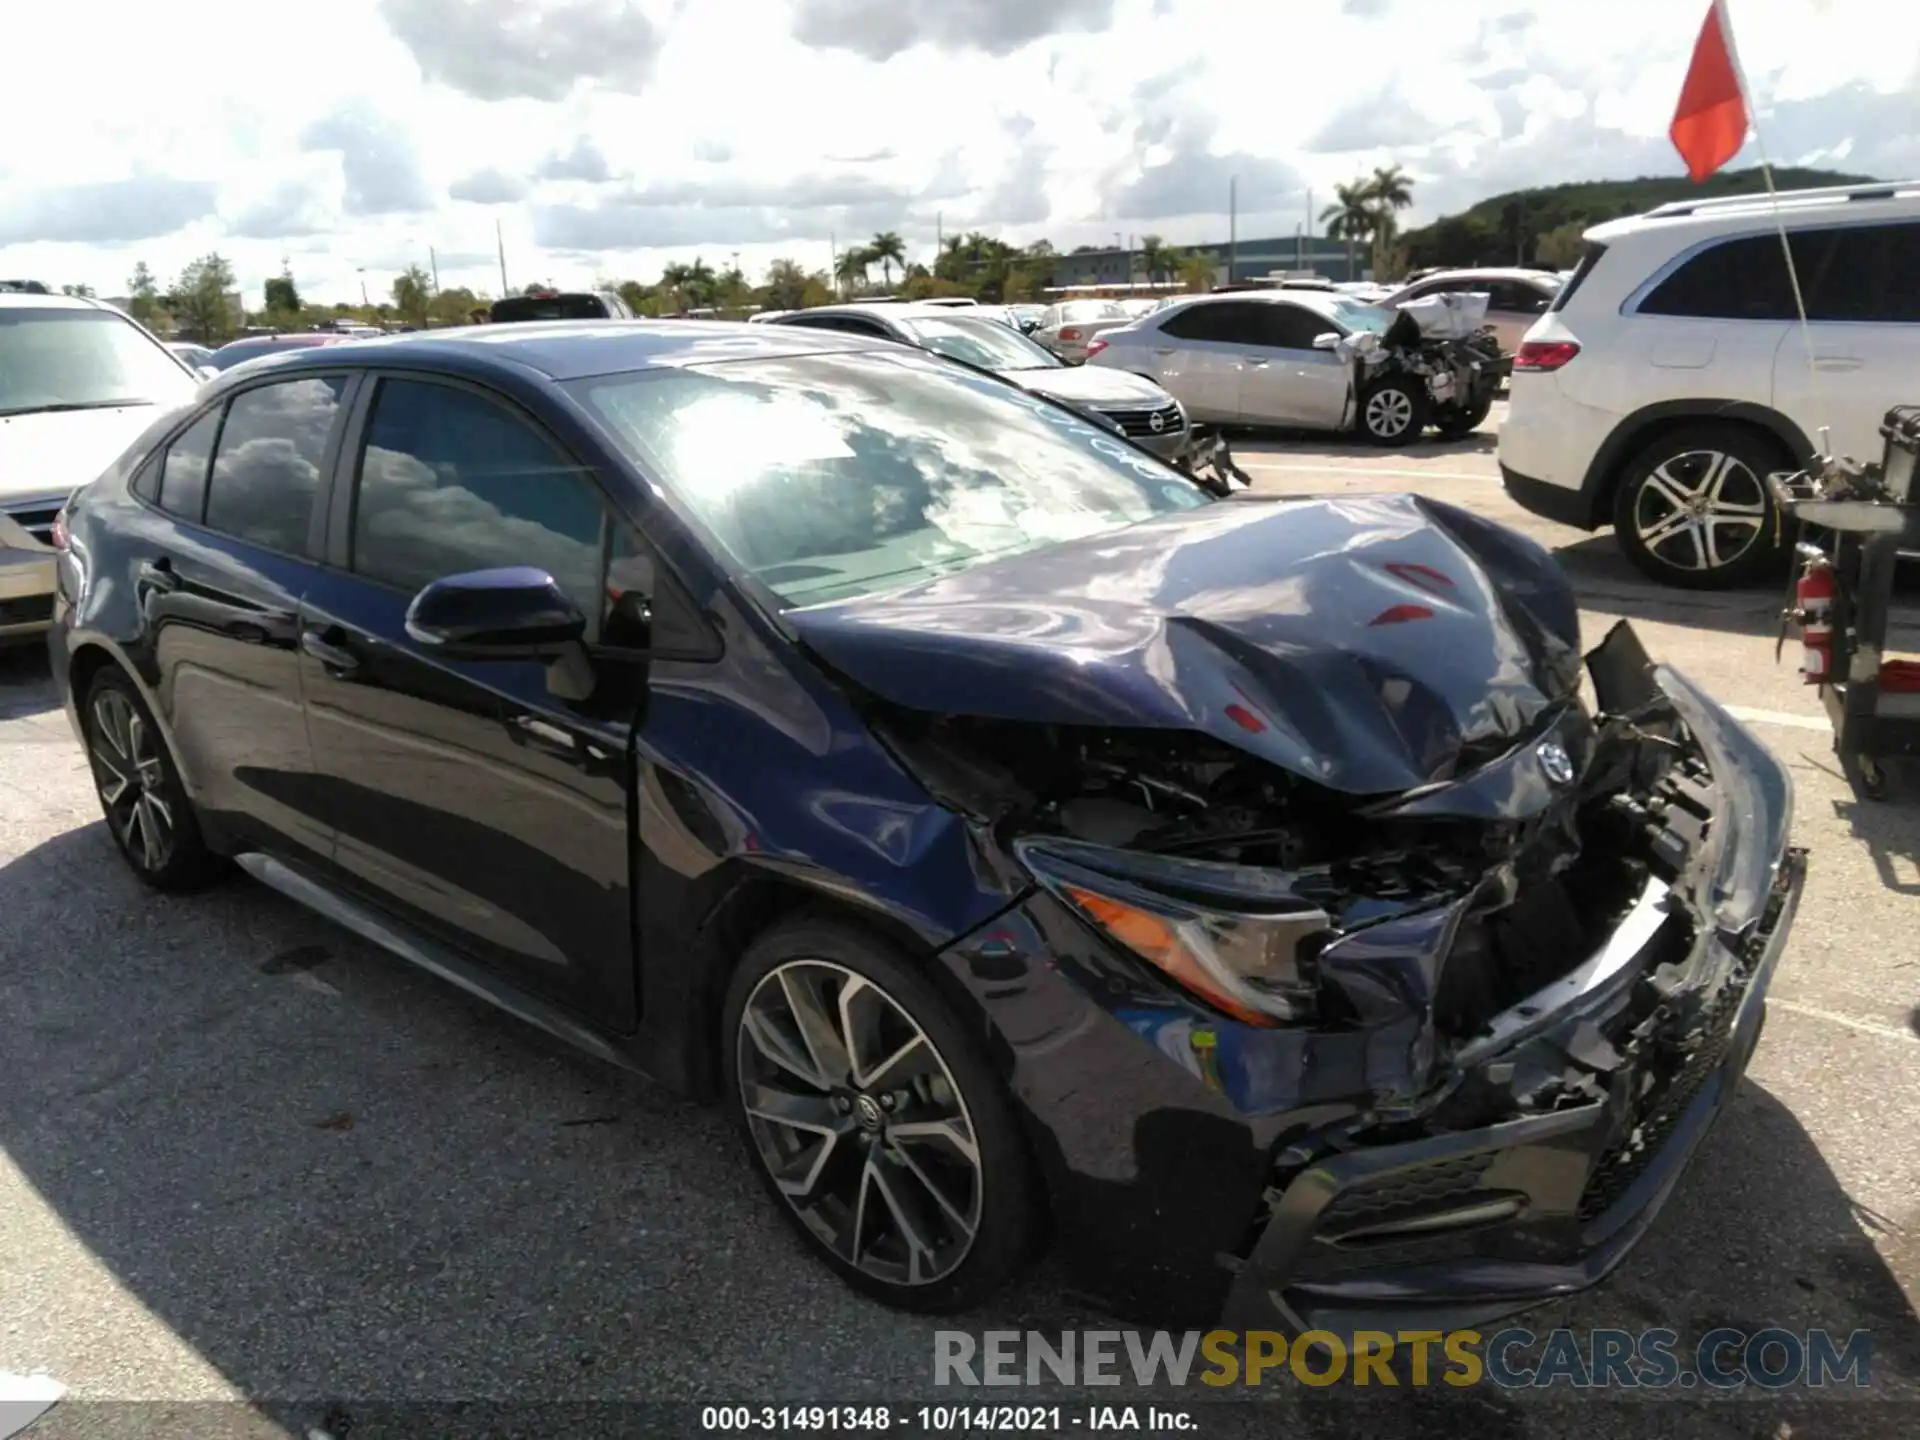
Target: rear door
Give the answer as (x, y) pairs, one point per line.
(466, 797)
(1198, 352)
(1708, 328)
(1284, 380)
(220, 592)
(1862, 291)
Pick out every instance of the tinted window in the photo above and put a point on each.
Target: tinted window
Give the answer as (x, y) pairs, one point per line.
(1589, 258)
(451, 481)
(266, 471)
(549, 307)
(827, 476)
(1870, 272)
(183, 474)
(1235, 323)
(1292, 327)
(1517, 297)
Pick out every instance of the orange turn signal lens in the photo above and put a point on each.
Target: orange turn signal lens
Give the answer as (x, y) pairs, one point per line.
(1156, 940)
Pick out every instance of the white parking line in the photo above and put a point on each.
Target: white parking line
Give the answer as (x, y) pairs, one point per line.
(1834, 1017)
(1260, 462)
(1778, 717)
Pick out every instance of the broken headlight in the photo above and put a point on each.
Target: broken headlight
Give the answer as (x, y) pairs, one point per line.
(1236, 936)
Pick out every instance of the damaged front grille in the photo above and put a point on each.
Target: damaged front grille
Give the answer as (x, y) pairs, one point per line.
(1622, 1163)
(1403, 1195)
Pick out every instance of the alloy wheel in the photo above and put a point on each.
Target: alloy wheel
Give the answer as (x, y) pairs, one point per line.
(127, 769)
(857, 1118)
(1700, 510)
(1389, 412)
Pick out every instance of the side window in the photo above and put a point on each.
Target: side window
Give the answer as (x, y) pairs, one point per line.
(860, 325)
(266, 471)
(451, 481)
(1743, 279)
(1292, 327)
(183, 473)
(1232, 323)
(1867, 273)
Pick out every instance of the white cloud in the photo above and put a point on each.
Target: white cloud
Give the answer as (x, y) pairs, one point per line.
(612, 136)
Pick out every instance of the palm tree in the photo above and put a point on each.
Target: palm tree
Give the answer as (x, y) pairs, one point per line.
(1389, 191)
(887, 251)
(1350, 217)
(851, 268)
(700, 282)
(673, 279)
(1196, 271)
(951, 262)
(1155, 259)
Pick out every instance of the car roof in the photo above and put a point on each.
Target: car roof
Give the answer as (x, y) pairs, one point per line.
(1733, 214)
(1485, 272)
(17, 299)
(576, 349)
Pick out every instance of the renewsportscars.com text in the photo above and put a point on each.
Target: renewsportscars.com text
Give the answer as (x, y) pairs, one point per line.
(1770, 1359)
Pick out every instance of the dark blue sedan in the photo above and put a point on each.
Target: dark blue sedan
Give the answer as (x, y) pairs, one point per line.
(1019, 840)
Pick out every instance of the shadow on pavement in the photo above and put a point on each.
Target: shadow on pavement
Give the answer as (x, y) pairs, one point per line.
(1890, 828)
(26, 685)
(345, 1185)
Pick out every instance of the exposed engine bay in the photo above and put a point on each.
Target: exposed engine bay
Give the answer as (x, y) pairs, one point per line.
(1443, 341)
(1543, 889)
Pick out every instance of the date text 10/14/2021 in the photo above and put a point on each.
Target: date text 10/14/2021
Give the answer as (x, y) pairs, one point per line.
(941, 1419)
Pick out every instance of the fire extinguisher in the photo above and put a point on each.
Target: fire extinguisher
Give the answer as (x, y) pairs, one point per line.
(1813, 608)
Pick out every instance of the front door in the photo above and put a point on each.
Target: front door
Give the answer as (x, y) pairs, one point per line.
(220, 583)
(468, 798)
(1199, 351)
(1284, 380)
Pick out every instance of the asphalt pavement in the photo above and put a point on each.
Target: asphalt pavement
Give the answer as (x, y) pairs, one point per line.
(245, 1156)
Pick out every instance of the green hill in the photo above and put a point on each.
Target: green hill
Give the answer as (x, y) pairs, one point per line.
(1543, 226)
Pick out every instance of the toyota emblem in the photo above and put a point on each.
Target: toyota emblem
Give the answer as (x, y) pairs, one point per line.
(1555, 763)
(1157, 422)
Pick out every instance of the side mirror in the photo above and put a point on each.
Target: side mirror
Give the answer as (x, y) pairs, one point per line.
(517, 613)
(1328, 340)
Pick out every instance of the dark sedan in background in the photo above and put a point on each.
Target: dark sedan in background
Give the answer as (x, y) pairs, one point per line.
(1132, 404)
(1016, 838)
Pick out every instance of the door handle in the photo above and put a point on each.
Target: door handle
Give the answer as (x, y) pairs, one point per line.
(339, 662)
(1836, 362)
(1256, 364)
(543, 735)
(157, 575)
(1164, 353)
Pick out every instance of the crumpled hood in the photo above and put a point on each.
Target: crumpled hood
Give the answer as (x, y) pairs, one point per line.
(56, 453)
(1084, 385)
(1370, 644)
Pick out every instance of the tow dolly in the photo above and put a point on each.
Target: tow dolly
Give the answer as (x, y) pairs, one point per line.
(1864, 516)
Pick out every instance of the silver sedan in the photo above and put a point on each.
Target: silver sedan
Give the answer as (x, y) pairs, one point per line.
(1070, 328)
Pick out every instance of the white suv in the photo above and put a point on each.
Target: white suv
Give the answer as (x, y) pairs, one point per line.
(1671, 375)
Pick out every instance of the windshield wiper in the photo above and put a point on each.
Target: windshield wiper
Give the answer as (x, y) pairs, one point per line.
(64, 405)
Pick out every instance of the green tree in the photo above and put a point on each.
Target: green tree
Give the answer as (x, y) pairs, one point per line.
(1389, 191)
(143, 292)
(851, 269)
(1350, 217)
(702, 284)
(786, 285)
(887, 250)
(1196, 271)
(1153, 258)
(282, 295)
(202, 299)
(1561, 246)
(454, 306)
(412, 294)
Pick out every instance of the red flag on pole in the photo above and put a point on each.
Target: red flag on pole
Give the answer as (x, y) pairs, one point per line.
(1710, 122)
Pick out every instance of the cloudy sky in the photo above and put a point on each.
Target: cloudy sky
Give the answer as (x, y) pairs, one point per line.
(611, 136)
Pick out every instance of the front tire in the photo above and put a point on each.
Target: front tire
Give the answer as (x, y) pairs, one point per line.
(1456, 423)
(881, 1132)
(141, 794)
(1393, 411)
(1692, 509)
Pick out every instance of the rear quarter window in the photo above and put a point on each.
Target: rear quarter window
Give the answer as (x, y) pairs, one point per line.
(1588, 261)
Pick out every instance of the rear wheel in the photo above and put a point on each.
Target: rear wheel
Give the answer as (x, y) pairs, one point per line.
(141, 793)
(883, 1135)
(1393, 410)
(1693, 509)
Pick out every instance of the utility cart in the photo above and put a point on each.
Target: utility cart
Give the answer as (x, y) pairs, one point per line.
(1861, 519)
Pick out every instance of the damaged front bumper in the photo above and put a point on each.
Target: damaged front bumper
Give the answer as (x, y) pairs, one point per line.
(1192, 1175)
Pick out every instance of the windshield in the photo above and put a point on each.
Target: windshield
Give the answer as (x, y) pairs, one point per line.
(984, 343)
(59, 359)
(830, 476)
